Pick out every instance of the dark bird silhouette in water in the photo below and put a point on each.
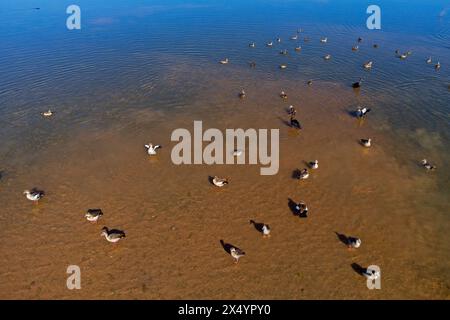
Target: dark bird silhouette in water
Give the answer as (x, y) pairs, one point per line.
(295, 123)
(357, 85)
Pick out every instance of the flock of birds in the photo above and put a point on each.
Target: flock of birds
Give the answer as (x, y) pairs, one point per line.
(300, 209)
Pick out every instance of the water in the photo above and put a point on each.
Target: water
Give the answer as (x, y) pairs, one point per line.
(138, 70)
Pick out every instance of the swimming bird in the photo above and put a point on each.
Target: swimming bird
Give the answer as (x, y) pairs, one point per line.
(224, 61)
(429, 60)
(314, 164)
(269, 44)
(283, 95)
(366, 142)
(327, 57)
(219, 182)
(295, 123)
(306, 39)
(403, 56)
(356, 85)
(437, 66)
(284, 52)
(304, 174)
(252, 64)
(361, 112)
(324, 40)
(355, 48)
(310, 82)
(298, 48)
(278, 40)
(112, 235)
(375, 46)
(93, 214)
(236, 253)
(427, 165)
(34, 195)
(47, 113)
(283, 66)
(301, 210)
(151, 149)
(353, 243)
(360, 39)
(292, 111)
(294, 37)
(368, 65)
(252, 45)
(242, 94)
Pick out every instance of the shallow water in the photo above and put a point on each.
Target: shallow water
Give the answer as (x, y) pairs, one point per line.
(137, 72)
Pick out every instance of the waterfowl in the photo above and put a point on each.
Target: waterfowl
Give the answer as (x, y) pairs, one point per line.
(314, 164)
(429, 60)
(368, 65)
(237, 153)
(427, 165)
(355, 48)
(301, 210)
(360, 39)
(283, 95)
(283, 66)
(306, 39)
(236, 253)
(284, 52)
(409, 52)
(294, 37)
(219, 182)
(252, 64)
(403, 56)
(310, 82)
(269, 44)
(151, 149)
(224, 61)
(298, 49)
(375, 46)
(366, 142)
(437, 66)
(47, 113)
(278, 39)
(266, 230)
(112, 235)
(324, 40)
(295, 123)
(356, 85)
(34, 195)
(371, 274)
(327, 57)
(93, 214)
(304, 174)
(252, 45)
(353, 243)
(242, 94)
(292, 111)
(361, 112)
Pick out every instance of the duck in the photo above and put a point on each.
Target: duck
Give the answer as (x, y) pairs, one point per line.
(355, 48)
(375, 46)
(292, 111)
(353, 243)
(93, 214)
(368, 65)
(427, 165)
(366, 142)
(112, 235)
(314, 164)
(47, 113)
(295, 123)
(403, 56)
(304, 174)
(278, 40)
(356, 85)
(429, 60)
(361, 112)
(327, 57)
(252, 45)
(298, 49)
(294, 37)
(225, 61)
(437, 66)
(269, 44)
(151, 149)
(219, 182)
(34, 195)
(360, 39)
(324, 40)
(301, 209)
(237, 153)
(252, 64)
(242, 94)
(236, 253)
(283, 66)
(310, 82)
(306, 39)
(283, 95)
(284, 52)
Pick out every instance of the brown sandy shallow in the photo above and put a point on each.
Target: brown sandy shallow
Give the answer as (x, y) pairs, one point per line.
(174, 219)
